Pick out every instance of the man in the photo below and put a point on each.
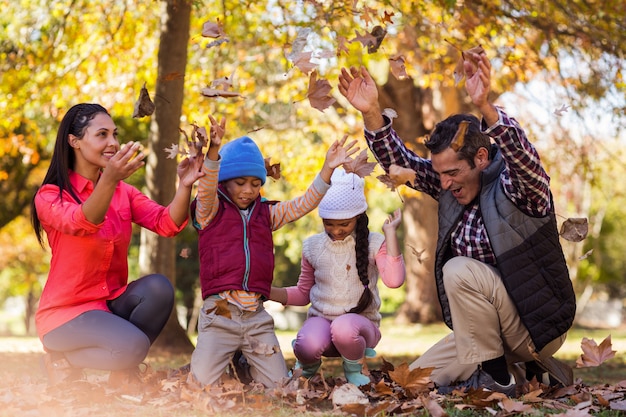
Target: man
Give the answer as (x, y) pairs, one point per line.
(501, 276)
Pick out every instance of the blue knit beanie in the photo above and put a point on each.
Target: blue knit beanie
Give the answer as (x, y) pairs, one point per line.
(241, 158)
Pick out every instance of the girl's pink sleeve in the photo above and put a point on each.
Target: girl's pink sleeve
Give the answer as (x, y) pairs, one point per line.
(298, 295)
(391, 268)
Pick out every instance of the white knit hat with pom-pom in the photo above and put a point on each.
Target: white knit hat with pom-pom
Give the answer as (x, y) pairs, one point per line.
(345, 198)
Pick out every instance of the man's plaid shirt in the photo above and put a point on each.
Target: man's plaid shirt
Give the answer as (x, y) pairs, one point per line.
(524, 180)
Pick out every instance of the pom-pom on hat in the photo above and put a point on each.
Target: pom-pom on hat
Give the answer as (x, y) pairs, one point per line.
(241, 158)
(345, 198)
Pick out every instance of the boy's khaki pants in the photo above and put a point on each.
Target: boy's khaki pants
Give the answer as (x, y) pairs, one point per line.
(486, 325)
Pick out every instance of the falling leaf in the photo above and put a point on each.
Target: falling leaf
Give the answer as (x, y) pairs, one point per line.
(387, 17)
(185, 253)
(390, 113)
(378, 32)
(595, 355)
(319, 93)
(561, 110)
(172, 151)
(212, 30)
(397, 67)
(574, 229)
(459, 137)
(398, 176)
(223, 83)
(366, 39)
(586, 255)
(214, 92)
(341, 45)
(359, 165)
(273, 170)
(143, 106)
(459, 70)
(299, 43)
(303, 62)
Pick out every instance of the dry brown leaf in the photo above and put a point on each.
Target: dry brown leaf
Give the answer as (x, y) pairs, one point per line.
(459, 70)
(378, 32)
(459, 137)
(387, 17)
(574, 229)
(212, 30)
(299, 43)
(172, 151)
(418, 378)
(401, 175)
(433, 407)
(221, 309)
(594, 355)
(418, 254)
(303, 62)
(318, 93)
(273, 170)
(214, 92)
(341, 45)
(359, 165)
(143, 106)
(397, 67)
(366, 39)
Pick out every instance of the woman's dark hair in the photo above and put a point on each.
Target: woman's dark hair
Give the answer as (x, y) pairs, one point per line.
(362, 233)
(443, 134)
(75, 122)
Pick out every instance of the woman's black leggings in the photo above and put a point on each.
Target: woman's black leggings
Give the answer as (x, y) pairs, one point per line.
(100, 340)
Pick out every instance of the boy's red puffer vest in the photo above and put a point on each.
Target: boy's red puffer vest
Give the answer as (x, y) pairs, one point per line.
(236, 253)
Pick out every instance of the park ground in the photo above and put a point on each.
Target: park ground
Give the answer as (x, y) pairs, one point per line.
(24, 392)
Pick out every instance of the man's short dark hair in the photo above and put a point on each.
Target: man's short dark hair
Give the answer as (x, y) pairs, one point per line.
(441, 137)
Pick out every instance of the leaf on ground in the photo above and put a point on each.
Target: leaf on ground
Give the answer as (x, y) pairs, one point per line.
(433, 407)
(359, 165)
(416, 378)
(574, 229)
(144, 105)
(318, 93)
(348, 394)
(594, 354)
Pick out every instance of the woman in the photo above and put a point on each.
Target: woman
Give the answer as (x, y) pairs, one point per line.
(89, 316)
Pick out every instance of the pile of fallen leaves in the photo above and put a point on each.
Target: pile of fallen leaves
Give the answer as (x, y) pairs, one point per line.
(394, 390)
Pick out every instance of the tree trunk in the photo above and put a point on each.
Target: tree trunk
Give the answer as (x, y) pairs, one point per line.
(418, 111)
(158, 254)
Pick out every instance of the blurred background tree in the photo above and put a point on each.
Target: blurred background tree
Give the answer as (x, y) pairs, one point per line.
(56, 53)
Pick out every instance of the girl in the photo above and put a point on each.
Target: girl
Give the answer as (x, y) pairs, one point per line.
(339, 273)
(235, 245)
(89, 316)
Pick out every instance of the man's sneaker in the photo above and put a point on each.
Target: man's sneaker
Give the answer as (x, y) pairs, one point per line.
(481, 379)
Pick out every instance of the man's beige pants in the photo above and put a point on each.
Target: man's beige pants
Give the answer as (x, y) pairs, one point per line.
(486, 325)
